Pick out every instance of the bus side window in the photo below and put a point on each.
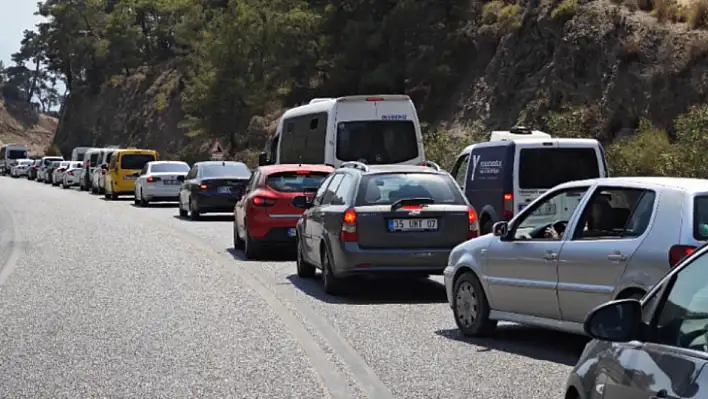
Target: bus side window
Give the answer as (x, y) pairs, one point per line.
(459, 171)
(313, 123)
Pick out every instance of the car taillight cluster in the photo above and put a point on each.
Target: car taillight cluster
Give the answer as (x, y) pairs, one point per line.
(473, 223)
(263, 201)
(70, 173)
(152, 179)
(103, 171)
(508, 206)
(678, 252)
(348, 232)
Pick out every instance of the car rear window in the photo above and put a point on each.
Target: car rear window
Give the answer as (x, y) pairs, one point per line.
(135, 161)
(385, 189)
(169, 168)
(700, 218)
(544, 168)
(295, 181)
(226, 169)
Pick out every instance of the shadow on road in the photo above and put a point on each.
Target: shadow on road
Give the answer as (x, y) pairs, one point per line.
(207, 218)
(157, 205)
(531, 342)
(375, 291)
(120, 199)
(276, 255)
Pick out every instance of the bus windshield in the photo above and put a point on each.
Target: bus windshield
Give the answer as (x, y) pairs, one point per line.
(376, 142)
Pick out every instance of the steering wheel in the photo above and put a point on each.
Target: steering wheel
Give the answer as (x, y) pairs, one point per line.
(559, 225)
(686, 339)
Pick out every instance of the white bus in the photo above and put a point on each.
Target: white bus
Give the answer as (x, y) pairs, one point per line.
(9, 154)
(374, 129)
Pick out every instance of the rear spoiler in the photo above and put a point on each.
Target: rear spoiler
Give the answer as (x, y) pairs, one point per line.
(375, 97)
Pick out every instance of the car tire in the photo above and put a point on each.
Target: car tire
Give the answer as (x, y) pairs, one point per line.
(304, 269)
(332, 284)
(193, 214)
(180, 208)
(251, 248)
(142, 200)
(136, 200)
(470, 307)
(238, 242)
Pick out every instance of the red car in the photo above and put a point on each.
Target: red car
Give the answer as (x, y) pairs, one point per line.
(265, 215)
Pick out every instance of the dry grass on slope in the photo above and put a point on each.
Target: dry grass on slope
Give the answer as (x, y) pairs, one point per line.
(20, 124)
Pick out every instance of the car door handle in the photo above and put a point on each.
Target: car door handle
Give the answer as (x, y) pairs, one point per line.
(550, 256)
(617, 257)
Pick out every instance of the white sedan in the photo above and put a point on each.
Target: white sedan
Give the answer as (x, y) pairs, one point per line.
(72, 175)
(160, 181)
(21, 168)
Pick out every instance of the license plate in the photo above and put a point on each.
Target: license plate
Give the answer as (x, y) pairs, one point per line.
(547, 209)
(224, 190)
(291, 232)
(129, 177)
(171, 182)
(412, 224)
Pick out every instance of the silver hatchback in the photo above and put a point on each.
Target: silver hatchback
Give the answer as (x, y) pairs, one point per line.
(577, 246)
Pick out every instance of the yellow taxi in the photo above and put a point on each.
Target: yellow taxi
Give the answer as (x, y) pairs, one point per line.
(124, 169)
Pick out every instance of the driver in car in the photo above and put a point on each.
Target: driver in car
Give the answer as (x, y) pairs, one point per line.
(598, 219)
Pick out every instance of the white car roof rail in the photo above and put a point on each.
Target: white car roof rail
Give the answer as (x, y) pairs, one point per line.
(356, 165)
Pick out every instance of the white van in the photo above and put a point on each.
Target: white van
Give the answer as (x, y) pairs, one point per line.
(375, 129)
(9, 155)
(500, 178)
(78, 153)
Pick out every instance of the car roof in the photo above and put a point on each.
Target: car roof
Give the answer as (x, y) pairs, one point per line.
(268, 169)
(689, 185)
(380, 169)
(527, 141)
(154, 162)
(218, 162)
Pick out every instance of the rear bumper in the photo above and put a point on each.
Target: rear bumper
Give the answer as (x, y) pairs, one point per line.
(161, 193)
(275, 228)
(215, 203)
(350, 259)
(73, 180)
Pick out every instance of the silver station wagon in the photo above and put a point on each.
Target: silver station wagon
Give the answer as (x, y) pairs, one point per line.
(579, 245)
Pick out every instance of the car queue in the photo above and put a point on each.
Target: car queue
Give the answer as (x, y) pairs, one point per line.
(525, 228)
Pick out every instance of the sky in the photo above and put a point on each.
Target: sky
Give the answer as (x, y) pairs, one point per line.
(16, 16)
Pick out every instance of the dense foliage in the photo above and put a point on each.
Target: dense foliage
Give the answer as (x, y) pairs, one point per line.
(241, 58)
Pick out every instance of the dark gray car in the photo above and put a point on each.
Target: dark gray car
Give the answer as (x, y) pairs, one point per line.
(384, 219)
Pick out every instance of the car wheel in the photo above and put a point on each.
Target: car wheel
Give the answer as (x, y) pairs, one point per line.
(332, 284)
(182, 212)
(143, 201)
(136, 200)
(193, 210)
(64, 185)
(251, 248)
(470, 307)
(304, 269)
(238, 242)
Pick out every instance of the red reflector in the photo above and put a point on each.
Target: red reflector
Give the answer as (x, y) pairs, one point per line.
(678, 252)
(304, 172)
(374, 99)
(412, 207)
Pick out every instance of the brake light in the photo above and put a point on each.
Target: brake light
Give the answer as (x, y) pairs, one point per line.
(374, 99)
(412, 207)
(263, 201)
(70, 173)
(473, 223)
(304, 172)
(203, 187)
(508, 206)
(152, 179)
(348, 232)
(103, 171)
(678, 252)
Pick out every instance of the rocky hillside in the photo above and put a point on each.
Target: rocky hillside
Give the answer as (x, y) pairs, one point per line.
(21, 124)
(574, 68)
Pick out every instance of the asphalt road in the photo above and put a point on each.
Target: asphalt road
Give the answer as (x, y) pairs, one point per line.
(101, 298)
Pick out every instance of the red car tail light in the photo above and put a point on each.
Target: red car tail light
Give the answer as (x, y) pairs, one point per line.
(678, 252)
(348, 232)
(473, 223)
(263, 201)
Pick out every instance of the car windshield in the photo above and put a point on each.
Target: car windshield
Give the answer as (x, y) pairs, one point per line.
(376, 142)
(135, 161)
(16, 154)
(295, 181)
(63, 164)
(169, 168)
(385, 189)
(544, 168)
(230, 169)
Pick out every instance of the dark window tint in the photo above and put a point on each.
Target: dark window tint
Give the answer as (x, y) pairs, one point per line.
(169, 168)
(94, 158)
(385, 189)
(544, 168)
(49, 161)
(304, 139)
(135, 161)
(344, 191)
(16, 154)
(700, 218)
(615, 212)
(295, 182)
(231, 169)
(376, 142)
(331, 189)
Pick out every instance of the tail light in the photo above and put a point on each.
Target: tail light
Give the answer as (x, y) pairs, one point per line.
(103, 171)
(678, 252)
(263, 201)
(203, 187)
(412, 207)
(348, 232)
(70, 173)
(88, 164)
(473, 222)
(374, 98)
(61, 170)
(152, 179)
(508, 206)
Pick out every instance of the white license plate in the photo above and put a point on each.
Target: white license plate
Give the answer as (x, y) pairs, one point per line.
(171, 182)
(547, 209)
(129, 177)
(224, 190)
(412, 224)
(291, 232)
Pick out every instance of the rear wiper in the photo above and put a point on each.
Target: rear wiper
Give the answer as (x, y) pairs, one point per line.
(411, 201)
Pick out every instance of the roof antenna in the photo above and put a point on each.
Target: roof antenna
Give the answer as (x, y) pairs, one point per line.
(223, 163)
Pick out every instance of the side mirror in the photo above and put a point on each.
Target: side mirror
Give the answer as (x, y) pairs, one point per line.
(262, 159)
(180, 178)
(302, 202)
(500, 229)
(615, 321)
